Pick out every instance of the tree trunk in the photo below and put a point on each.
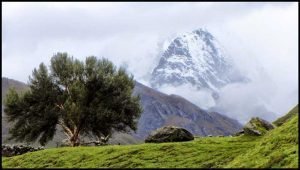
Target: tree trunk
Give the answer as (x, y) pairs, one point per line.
(74, 140)
(71, 133)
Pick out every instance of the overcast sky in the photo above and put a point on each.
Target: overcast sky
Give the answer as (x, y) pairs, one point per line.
(262, 38)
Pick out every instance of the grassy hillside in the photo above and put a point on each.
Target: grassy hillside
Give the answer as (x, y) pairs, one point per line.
(286, 117)
(276, 149)
(203, 152)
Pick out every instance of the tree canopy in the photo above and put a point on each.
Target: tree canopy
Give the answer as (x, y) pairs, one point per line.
(83, 98)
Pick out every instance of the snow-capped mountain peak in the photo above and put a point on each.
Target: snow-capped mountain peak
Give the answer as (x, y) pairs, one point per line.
(195, 58)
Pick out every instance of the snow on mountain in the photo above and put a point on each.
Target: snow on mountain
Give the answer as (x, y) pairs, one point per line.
(195, 58)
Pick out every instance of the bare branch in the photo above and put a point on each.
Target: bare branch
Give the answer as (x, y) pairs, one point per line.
(60, 106)
(65, 128)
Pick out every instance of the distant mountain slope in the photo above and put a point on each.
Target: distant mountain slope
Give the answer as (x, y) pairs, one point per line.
(195, 58)
(161, 109)
(6, 84)
(10, 83)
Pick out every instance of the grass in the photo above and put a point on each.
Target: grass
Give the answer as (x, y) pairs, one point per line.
(286, 117)
(202, 152)
(278, 148)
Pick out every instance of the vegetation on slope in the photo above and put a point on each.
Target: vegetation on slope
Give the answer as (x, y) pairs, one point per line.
(277, 149)
(202, 152)
(10, 83)
(6, 85)
(21, 87)
(91, 97)
(286, 117)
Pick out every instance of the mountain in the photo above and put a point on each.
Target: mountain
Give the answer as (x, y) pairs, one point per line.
(198, 59)
(6, 84)
(278, 148)
(161, 109)
(10, 83)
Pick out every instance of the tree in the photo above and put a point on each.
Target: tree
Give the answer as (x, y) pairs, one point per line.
(83, 98)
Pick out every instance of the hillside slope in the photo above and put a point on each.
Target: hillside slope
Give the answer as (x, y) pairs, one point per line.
(277, 149)
(286, 117)
(10, 83)
(202, 152)
(6, 84)
(20, 87)
(161, 109)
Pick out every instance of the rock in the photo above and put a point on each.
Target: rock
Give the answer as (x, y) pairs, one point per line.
(251, 131)
(169, 134)
(257, 126)
(14, 150)
(65, 142)
(239, 133)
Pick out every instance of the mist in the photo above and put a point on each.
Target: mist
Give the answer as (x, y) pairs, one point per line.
(264, 47)
(261, 38)
(200, 98)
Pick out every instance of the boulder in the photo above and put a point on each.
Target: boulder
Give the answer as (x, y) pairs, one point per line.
(169, 134)
(257, 126)
(239, 133)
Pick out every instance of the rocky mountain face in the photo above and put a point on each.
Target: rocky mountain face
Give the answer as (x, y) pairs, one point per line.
(195, 58)
(161, 109)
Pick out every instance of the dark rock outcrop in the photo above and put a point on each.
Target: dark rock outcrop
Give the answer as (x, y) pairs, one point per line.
(160, 110)
(257, 126)
(13, 150)
(169, 134)
(239, 133)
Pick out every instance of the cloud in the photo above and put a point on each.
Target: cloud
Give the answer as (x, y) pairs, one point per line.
(128, 27)
(243, 101)
(202, 98)
(258, 36)
(264, 46)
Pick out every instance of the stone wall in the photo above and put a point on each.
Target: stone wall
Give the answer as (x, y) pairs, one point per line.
(13, 150)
